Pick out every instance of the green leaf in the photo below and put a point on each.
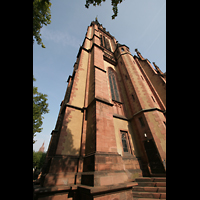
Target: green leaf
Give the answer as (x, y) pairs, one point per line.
(41, 16)
(114, 3)
(40, 107)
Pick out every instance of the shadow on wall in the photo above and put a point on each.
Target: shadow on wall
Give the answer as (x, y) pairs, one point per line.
(69, 148)
(67, 136)
(60, 165)
(138, 150)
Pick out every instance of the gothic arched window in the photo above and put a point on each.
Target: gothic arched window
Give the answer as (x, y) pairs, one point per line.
(113, 85)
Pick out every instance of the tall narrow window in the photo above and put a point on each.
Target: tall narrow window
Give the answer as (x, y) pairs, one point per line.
(107, 44)
(113, 85)
(104, 40)
(115, 88)
(101, 40)
(125, 143)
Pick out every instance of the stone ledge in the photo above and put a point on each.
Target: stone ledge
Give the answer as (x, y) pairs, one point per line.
(87, 189)
(53, 188)
(103, 153)
(99, 68)
(120, 117)
(106, 189)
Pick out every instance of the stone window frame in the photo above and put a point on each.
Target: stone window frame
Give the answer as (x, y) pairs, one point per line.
(105, 42)
(128, 142)
(113, 83)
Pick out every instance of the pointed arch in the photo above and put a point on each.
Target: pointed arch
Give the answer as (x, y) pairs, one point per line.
(113, 84)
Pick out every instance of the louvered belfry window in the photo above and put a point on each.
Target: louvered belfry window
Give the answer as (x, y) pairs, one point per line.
(105, 42)
(101, 40)
(113, 85)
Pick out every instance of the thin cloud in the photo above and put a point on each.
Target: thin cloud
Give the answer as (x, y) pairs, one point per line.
(154, 41)
(63, 38)
(149, 25)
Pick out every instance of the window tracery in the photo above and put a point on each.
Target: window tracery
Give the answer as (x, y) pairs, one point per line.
(113, 85)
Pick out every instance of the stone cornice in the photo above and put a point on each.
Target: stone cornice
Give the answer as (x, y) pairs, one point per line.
(99, 68)
(109, 59)
(141, 111)
(147, 110)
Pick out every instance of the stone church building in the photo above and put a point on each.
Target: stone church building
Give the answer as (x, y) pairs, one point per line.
(111, 128)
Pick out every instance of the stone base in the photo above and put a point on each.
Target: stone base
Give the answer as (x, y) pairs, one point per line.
(62, 171)
(56, 179)
(103, 178)
(82, 192)
(98, 169)
(109, 169)
(115, 192)
(55, 193)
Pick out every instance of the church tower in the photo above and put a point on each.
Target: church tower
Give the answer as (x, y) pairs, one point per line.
(42, 148)
(111, 127)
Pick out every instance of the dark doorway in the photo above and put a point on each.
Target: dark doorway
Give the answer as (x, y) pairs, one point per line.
(153, 157)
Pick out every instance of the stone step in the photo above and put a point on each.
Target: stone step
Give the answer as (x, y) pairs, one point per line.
(143, 179)
(158, 175)
(158, 179)
(151, 179)
(135, 198)
(152, 184)
(149, 189)
(149, 195)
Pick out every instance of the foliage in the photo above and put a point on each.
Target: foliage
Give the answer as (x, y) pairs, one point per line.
(41, 16)
(40, 106)
(38, 159)
(114, 3)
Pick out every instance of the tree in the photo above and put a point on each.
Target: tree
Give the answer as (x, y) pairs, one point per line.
(114, 3)
(40, 107)
(38, 159)
(41, 16)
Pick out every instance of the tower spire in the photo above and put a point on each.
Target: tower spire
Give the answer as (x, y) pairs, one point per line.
(157, 68)
(139, 54)
(42, 148)
(96, 19)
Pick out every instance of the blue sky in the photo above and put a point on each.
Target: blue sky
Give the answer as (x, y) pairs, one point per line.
(140, 24)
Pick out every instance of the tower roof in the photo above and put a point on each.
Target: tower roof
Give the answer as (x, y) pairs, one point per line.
(101, 27)
(42, 148)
